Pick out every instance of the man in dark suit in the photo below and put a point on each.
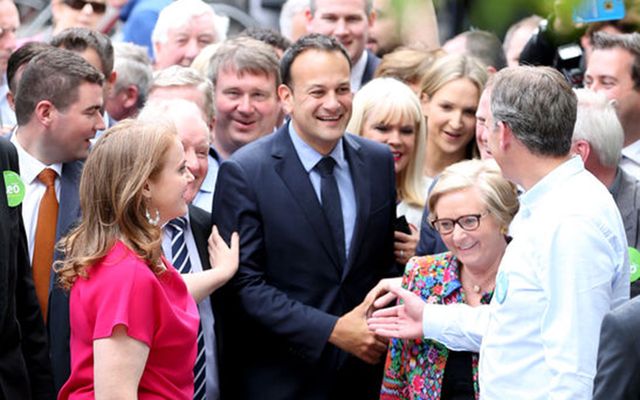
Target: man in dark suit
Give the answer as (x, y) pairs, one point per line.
(618, 374)
(349, 21)
(58, 105)
(188, 235)
(313, 241)
(25, 371)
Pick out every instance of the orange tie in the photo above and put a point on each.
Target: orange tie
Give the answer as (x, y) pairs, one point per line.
(45, 238)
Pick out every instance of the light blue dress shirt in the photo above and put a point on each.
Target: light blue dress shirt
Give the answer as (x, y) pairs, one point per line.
(204, 308)
(566, 266)
(204, 197)
(309, 158)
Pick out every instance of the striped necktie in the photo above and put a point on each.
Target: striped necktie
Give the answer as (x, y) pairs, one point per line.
(180, 258)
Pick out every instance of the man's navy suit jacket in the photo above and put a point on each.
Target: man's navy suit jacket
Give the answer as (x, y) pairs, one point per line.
(284, 301)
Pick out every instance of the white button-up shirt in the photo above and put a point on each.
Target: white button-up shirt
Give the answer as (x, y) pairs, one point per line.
(565, 268)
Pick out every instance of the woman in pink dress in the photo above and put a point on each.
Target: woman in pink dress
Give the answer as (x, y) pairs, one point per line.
(134, 319)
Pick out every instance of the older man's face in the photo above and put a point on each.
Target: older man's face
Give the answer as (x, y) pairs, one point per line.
(185, 42)
(9, 22)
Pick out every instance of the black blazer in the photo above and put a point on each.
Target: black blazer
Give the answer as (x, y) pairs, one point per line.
(370, 69)
(290, 289)
(24, 360)
(58, 320)
(618, 374)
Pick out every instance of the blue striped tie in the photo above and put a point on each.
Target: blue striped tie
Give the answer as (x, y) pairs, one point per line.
(182, 263)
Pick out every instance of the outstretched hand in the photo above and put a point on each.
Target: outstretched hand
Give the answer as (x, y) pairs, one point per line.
(403, 321)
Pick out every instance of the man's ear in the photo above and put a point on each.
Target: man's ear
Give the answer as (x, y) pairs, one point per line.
(286, 98)
(505, 135)
(582, 148)
(45, 112)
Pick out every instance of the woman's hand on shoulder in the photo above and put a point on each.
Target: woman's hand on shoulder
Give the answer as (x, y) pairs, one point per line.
(224, 258)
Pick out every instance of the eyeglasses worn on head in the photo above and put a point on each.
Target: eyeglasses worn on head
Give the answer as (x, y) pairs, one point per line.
(98, 8)
(469, 222)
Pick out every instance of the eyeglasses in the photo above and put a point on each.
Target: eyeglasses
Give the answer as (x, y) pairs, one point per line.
(98, 8)
(470, 222)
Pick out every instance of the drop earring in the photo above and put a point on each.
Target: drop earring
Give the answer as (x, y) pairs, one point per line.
(153, 221)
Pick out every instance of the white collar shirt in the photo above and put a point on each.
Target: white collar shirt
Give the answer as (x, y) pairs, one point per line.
(566, 266)
(30, 167)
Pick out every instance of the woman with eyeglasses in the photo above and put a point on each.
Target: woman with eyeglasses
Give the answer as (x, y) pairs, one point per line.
(76, 14)
(471, 206)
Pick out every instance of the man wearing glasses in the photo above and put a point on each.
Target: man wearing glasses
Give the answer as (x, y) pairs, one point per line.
(566, 266)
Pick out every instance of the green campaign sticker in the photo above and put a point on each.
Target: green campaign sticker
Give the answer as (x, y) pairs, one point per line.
(15, 188)
(634, 262)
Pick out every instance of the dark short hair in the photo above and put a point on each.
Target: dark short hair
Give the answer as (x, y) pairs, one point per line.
(19, 58)
(313, 41)
(626, 41)
(539, 106)
(54, 75)
(81, 39)
(268, 36)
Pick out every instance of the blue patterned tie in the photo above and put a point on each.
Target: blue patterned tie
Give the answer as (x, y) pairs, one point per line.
(330, 196)
(182, 263)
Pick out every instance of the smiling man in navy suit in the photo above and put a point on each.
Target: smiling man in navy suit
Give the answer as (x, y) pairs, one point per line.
(315, 209)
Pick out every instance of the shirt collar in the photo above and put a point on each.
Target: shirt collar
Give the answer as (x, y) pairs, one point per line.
(30, 167)
(310, 156)
(539, 191)
(357, 71)
(632, 151)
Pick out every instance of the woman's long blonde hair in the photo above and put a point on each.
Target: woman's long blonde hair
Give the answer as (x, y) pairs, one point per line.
(122, 161)
(389, 100)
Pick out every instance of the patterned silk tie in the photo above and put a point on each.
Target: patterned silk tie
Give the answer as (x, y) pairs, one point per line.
(331, 204)
(182, 263)
(45, 238)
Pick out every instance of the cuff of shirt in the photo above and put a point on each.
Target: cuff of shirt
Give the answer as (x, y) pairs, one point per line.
(434, 317)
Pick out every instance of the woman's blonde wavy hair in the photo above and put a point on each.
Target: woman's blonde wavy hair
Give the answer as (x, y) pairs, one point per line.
(113, 208)
(388, 100)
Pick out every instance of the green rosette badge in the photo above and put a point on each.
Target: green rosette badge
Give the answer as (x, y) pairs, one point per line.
(15, 189)
(634, 262)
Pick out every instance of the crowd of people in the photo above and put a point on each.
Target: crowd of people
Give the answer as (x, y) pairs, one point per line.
(349, 208)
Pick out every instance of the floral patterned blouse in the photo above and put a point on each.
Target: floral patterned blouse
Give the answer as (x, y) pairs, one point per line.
(414, 369)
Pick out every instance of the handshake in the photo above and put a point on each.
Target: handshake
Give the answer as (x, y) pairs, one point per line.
(364, 331)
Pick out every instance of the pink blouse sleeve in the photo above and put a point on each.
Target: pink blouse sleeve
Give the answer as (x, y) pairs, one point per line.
(124, 294)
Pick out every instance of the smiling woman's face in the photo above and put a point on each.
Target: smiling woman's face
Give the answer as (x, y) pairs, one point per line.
(450, 114)
(478, 249)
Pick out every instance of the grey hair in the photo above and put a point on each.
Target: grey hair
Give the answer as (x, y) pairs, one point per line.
(179, 12)
(289, 10)
(537, 103)
(597, 123)
(177, 76)
(133, 67)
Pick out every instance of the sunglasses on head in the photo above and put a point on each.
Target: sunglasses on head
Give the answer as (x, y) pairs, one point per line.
(98, 8)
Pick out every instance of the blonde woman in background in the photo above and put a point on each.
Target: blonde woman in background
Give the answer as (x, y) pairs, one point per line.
(400, 125)
(450, 91)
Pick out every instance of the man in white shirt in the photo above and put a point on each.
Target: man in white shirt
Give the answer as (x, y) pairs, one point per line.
(566, 266)
(58, 106)
(613, 68)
